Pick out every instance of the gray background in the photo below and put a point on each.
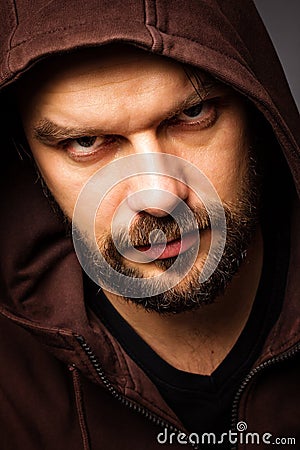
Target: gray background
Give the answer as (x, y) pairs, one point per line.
(282, 19)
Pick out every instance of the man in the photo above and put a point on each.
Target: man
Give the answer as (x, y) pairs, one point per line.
(158, 134)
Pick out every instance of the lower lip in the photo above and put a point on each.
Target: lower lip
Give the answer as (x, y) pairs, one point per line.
(172, 248)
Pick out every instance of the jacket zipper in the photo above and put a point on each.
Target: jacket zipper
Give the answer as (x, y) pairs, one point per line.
(272, 361)
(124, 400)
(160, 422)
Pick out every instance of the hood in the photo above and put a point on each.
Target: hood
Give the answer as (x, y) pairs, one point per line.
(41, 280)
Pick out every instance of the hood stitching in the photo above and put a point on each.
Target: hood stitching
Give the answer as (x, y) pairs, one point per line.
(45, 33)
(151, 25)
(79, 401)
(277, 349)
(155, 32)
(13, 32)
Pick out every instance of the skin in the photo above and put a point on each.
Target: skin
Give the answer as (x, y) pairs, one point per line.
(130, 103)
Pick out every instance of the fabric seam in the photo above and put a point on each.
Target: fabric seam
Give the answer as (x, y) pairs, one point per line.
(154, 31)
(12, 36)
(80, 408)
(45, 33)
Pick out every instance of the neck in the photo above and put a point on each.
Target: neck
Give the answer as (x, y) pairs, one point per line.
(198, 341)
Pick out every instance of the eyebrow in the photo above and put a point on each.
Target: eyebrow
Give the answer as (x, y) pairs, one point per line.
(49, 133)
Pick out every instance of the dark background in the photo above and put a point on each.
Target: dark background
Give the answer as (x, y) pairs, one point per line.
(282, 19)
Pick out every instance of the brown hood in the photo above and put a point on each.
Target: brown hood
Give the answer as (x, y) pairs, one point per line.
(40, 277)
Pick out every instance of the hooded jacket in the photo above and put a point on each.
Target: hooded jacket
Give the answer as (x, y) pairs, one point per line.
(65, 382)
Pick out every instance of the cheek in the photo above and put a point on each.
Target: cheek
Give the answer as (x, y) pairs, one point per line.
(224, 159)
(108, 211)
(64, 183)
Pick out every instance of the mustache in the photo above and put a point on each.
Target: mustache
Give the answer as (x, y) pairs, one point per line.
(138, 234)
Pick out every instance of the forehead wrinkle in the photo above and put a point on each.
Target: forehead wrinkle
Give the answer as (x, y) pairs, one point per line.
(159, 96)
(88, 85)
(101, 102)
(95, 105)
(46, 130)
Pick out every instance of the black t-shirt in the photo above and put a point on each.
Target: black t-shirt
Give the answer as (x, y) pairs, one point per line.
(204, 403)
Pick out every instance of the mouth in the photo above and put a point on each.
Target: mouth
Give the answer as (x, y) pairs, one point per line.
(172, 248)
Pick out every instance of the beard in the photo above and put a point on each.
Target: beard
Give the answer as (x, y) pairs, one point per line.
(189, 293)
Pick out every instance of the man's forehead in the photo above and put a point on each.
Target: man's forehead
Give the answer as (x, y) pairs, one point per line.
(89, 63)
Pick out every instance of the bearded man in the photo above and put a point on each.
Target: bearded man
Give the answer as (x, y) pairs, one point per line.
(149, 289)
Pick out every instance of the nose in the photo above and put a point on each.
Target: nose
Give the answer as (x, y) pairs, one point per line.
(153, 189)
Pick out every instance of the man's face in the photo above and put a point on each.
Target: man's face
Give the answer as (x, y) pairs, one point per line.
(82, 113)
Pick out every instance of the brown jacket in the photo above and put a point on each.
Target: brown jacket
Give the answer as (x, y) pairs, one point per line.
(65, 383)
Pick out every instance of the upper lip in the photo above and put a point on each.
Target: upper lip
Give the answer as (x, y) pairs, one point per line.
(169, 240)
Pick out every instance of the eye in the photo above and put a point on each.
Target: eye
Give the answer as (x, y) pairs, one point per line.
(86, 141)
(85, 148)
(202, 115)
(194, 111)
(85, 144)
